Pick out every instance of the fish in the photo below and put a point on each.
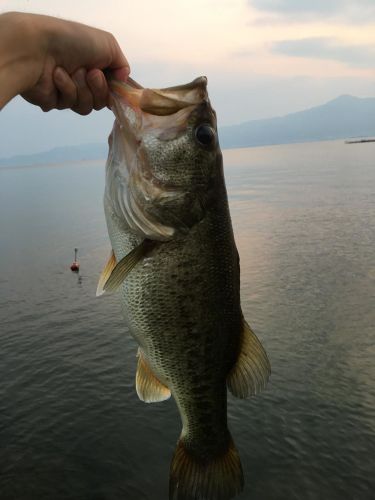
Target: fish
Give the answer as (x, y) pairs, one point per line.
(175, 261)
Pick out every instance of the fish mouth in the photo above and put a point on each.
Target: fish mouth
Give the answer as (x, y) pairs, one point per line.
(161, 102)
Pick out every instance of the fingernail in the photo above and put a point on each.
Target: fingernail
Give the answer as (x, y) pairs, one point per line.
(126, 72)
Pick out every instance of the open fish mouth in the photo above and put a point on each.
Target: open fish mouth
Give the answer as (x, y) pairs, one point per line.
(162, 102)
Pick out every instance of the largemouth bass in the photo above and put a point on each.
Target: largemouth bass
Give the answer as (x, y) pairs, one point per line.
(175, 259)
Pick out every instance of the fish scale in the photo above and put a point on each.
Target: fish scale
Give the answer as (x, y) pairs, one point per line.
(178, 266)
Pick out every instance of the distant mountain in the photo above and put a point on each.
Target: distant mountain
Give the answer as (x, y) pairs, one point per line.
(344, 117)
(59, 155)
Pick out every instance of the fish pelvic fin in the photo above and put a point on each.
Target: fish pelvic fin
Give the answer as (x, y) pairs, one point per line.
(148, 387)
(251, 372)
(114, 275)
(106, 273)
(194, 478)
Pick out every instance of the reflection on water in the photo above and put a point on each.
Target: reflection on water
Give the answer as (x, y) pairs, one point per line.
(71, 426)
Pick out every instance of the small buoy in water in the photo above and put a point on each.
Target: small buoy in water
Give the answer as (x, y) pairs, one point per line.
(75, 264)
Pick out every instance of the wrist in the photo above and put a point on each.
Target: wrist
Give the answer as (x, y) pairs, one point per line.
(22, 50)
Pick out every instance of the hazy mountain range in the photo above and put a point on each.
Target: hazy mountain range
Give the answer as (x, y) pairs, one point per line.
(93, 151)
(342, 118)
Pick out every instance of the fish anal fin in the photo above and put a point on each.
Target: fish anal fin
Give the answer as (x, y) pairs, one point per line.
(148, 386)
(218, 478)
(250, 373)
(106, 273)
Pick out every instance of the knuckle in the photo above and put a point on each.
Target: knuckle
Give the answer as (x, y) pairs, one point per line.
(46, 107)
(62, 105)
(83, 111)
(111, 37)
(85, 103)
(47, 100)
(100, 102)
(68, 101)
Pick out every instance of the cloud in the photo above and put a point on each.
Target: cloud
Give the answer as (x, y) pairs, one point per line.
(327, 48)
(353, 10)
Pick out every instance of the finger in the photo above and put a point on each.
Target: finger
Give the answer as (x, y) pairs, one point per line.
(67, 89)
(85, 101)
(121, 73)
(119, 65)
(43, 95)
(97, 84)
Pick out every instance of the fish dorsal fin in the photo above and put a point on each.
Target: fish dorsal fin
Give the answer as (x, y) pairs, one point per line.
(113, 274)
(149, 388)
(252, 369)
(106, 273)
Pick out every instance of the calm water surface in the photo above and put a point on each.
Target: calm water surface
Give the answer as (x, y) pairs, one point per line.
(71, 425)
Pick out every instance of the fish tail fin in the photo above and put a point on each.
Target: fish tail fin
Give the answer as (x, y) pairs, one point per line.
(194, 478)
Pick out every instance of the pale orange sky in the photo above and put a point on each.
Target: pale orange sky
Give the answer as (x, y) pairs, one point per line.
(236, 35)
(262, 57)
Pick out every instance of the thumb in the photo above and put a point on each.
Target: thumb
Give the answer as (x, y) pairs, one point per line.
(120, 73)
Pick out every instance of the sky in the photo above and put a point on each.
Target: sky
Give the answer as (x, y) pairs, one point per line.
(263, 58)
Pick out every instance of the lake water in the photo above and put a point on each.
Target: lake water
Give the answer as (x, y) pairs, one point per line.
(71, 425)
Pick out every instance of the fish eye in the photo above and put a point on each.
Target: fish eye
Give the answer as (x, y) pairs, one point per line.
(205, 134)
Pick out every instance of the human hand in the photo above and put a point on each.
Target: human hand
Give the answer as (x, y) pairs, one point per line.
(63, 62)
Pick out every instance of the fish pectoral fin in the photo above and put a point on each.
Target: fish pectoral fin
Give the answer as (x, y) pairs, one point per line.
(114, 275)
(149, 388)
(106, 273)
(250, 373)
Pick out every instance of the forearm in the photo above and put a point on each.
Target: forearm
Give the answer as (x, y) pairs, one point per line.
(57, 64)
(22, 44)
